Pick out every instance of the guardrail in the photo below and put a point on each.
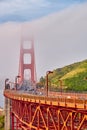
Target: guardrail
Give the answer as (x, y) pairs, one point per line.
(71, 102)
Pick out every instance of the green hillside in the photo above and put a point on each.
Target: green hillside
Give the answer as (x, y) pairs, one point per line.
(1, 122)
(72, 77)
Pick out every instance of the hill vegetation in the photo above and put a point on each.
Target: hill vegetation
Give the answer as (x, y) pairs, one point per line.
(1, 122)
(71, 77)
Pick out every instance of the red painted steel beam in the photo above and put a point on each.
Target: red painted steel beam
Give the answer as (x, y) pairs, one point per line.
(45, 113)
(42, 117)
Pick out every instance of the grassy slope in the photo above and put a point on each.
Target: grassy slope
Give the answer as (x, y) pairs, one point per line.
(73, 77)
(1, 122)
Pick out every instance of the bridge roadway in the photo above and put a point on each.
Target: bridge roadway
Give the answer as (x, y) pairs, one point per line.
(38, 112)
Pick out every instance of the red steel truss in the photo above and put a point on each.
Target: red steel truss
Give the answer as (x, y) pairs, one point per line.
(30, 112)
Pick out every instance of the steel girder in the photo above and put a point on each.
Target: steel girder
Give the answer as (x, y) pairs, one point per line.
(36, 116)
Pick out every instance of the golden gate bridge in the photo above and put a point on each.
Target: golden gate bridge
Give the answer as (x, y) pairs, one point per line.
(50, 111)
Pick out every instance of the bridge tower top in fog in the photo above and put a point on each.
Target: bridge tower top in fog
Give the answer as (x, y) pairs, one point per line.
(27, 69)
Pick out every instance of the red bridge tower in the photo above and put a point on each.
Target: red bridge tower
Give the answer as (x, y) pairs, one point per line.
(27, 69)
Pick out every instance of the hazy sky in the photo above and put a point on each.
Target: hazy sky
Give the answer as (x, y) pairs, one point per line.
(60, 36)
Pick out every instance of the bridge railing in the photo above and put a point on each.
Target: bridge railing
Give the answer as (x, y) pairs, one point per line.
(56, 101)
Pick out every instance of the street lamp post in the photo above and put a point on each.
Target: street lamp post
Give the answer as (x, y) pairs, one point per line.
(60, 86)
(6, 86)
(16, 81)
(47, 73)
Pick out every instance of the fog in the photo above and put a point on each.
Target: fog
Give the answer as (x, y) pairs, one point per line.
(60, 39)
